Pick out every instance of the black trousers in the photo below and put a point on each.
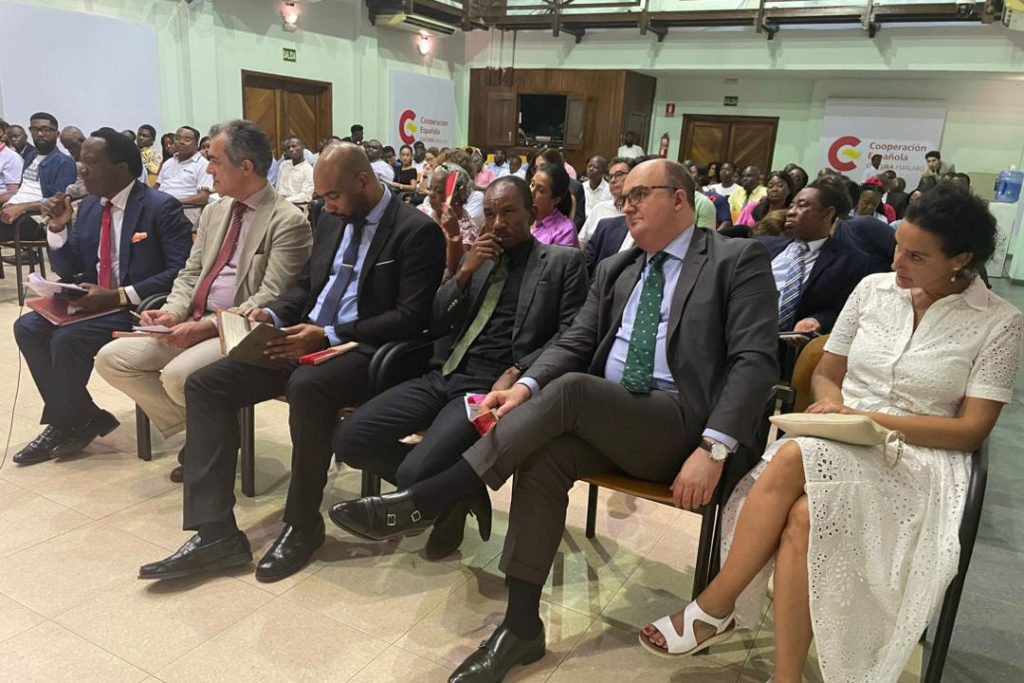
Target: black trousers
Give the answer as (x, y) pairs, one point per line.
(577, 427)
(25, 227)
(213, 396)
(61, 359)
(369, 439)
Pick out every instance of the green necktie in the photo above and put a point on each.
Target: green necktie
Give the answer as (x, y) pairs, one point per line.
(639, 369)
(498, 277)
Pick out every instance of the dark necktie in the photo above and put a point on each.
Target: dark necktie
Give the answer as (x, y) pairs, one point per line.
(639, 368)
(106, 269)
(487, 308)
(332, 302)
(227, 250)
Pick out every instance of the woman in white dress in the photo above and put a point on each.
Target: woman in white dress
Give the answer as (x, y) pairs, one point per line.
(863, 550)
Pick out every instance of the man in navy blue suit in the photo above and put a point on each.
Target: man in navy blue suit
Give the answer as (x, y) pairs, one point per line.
(814, 272)
(128, 243)
(610, 237)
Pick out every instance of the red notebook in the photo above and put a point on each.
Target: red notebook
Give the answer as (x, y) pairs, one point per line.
(56, 311)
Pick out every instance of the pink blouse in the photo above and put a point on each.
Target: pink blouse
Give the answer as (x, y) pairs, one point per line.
(556, 228)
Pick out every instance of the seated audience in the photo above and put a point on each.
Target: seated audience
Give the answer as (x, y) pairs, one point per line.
(725, 185)
(184, 175)
(692, 386)
(869, 202)
(50, 171)
(618, 169)
(166, 146)
(204, 147)
(962, 180)
(72, 138)
(390, 158)
(814, 273)
(450, 213)
(275, 168)
(294, 175)
(516, 167)
(611, 237)
(371, 279)
(18, 140)
(750, 190)
(898, 198)
(405, 176)
(419, 156)
(550, 188)
(250, 247)
(356, 134)
(482, 174)
(475, 203)
(151, 158)
(381, 168)
(936, 166)
(127, 243)
(595, 189)
(711, 176)
(130, 134)
(11, 167)
(862, 541)
(500, 165)
(798, 177)
(577, 209)
(629, 147)
(500, 316)
(778, 195)
(874, 168)
(772, 225)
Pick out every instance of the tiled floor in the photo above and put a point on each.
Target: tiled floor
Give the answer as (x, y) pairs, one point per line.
(73, 533)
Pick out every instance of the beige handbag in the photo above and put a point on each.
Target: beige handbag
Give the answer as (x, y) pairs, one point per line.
(854, 429)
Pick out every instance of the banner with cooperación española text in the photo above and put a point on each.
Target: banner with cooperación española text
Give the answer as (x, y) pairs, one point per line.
(422, 109)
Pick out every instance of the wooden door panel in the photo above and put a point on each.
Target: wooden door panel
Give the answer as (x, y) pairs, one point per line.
(752, 144)
(283, 106)
(300, 118)
(259, 105)
(575, 117)
(502, 118)
(708, 142)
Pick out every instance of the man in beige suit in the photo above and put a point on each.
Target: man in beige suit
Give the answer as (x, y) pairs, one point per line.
(249, 249)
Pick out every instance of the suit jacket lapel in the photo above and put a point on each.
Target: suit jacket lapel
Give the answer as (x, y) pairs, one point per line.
(130, 221)
(825, 259)
(536, 263)
(624, 285)
(696, 257)
(258, 229)
(383, 232)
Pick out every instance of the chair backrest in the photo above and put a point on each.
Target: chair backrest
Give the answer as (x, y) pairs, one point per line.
(806, 362)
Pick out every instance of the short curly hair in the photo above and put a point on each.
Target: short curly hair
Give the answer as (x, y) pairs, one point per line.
(960, 220)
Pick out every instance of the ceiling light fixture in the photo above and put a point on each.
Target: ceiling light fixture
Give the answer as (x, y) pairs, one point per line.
(290, 15)
(424, 44)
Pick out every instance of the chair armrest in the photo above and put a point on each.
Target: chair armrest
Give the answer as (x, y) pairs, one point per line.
(152, 301)
(398, 361)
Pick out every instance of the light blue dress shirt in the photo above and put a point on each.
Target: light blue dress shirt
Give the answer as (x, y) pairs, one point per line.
(782, 263)
(348, 311)
(662, 379)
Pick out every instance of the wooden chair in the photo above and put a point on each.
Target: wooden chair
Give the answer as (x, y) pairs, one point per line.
(806, 363)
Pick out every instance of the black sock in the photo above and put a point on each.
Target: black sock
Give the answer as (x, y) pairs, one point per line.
(217, 531)
(522, 615)
(437, 495)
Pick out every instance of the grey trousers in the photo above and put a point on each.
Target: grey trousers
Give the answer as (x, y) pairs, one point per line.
(576, 427)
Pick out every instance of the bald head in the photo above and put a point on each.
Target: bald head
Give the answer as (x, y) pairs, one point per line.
(345, 179)
(72, 139)
(659, 203)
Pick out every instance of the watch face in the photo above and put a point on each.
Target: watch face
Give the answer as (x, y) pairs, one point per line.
(719, 452)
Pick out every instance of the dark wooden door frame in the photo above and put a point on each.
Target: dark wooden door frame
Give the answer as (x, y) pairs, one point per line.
(715, 118)
(309, 86)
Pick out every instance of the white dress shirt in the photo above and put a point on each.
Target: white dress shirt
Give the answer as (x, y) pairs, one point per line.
(595, 195)
(295, 181)
(184, 179)
(600, 211)
(630, 151)
(385, 172)
(57, 240)
(11, 166)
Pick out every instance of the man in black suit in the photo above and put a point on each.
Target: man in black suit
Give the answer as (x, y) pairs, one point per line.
(371, 279)
(510, 296)
(814, 272)
(664, 372)
(609, 236)
(128, 243)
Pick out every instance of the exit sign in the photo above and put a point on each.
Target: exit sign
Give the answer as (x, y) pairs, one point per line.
(731, 101)
(289, 54)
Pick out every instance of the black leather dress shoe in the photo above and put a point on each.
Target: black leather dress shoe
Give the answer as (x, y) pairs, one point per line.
(381, 517)
(497, 655)
(449, 531)
(292, 551)
(100, 424)
(178, 474)
(196, 556)
(40, 449)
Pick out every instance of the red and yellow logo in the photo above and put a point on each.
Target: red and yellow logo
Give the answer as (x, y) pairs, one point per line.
(407, 127)
(843, 154)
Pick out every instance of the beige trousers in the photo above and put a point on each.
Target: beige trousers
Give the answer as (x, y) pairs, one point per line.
(154, 375)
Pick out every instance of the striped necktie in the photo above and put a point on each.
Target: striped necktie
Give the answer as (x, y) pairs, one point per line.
(789, 297)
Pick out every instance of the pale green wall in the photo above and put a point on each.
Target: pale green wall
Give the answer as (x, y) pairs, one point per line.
(204, 47)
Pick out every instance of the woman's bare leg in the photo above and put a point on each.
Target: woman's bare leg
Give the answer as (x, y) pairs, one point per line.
(792, 602)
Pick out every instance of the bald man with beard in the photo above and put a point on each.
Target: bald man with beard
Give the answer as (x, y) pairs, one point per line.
(371, 279)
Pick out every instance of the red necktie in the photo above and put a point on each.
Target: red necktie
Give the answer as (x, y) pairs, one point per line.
(106, 273)
(227, 250)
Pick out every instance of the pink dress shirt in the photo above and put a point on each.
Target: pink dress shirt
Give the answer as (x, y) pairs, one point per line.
(556, 228)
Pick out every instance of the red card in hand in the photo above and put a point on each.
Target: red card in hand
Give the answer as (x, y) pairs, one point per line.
(485, 422)
(449, 187)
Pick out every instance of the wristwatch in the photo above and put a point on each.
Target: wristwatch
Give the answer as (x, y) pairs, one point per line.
(122, 296)
(716, 451)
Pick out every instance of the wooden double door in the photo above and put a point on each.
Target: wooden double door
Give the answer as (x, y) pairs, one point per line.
(284, 106)
(743, 140)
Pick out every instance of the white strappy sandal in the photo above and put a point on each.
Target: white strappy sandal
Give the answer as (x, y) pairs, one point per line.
(686, 644)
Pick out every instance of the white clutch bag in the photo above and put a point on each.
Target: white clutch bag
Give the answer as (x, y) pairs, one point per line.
(854, 429)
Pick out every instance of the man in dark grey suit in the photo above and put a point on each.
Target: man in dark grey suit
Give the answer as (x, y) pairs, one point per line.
(665, 371)
(510, 296)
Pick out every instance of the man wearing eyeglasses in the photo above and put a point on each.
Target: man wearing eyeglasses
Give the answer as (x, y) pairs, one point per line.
(664, 372)
(50, 172)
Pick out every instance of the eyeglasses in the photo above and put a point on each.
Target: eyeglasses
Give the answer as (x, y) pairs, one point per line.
(42, 130)
(618, 176)
(639, 193)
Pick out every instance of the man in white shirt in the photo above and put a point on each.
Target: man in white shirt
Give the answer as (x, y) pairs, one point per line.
(419, 157)
(500, 165)
(384, 171)
(595, 190)
(874, 168)
(295, 175)
(11, 167)
(516, 166)
(184, 175)
(618, 169)
(726, 176)
(629, 147)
